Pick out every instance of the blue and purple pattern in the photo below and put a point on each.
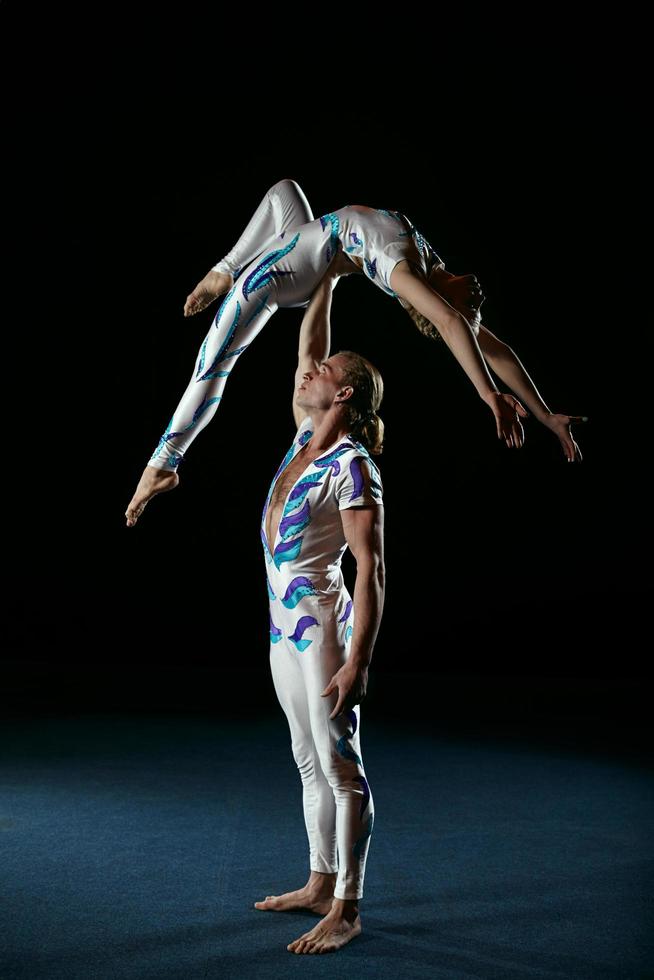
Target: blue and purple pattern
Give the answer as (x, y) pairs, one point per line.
(294, 523)
(176, 458)
(342, 745)
(346, 613)
(358, 846)
(335, 229)
(262, 275)
(275, 632)
(371, 267)
(221, 351)
(358, 480)
(297, 589)
(303, 624)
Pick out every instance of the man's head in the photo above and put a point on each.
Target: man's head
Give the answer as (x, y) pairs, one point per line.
(350, 386)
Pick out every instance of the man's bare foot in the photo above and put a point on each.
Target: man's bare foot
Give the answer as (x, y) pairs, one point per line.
(214, 284)
(152, 481)
(317, 895)
(339, 926)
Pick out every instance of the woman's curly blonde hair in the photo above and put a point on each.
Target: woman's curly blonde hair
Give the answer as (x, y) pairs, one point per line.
(437, 279)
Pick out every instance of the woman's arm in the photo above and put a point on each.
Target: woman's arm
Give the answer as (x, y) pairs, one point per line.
(459, 337)
(506, 364)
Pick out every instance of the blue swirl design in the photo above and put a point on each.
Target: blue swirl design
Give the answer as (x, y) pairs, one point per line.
(348, 610)
(366, 793)
(359, 845)
(371, 267)
(346, 751)
(297, 589)
(275, 632)
(331, 459)
(216, 321)
(162, 440)
(266, 549)
(306, 435)
(258, 310)
(348, 633)
(295, 523)
(223, 347)
(303, 624)
(168, 435)
(342, 745)
(358, 480)
(287, 551)
(262, 274)
(335, 225)
(302, 487)
(390, 214)
(271, 594)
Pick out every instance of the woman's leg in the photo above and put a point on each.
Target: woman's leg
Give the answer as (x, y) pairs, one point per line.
(237, 322)
(284, 206)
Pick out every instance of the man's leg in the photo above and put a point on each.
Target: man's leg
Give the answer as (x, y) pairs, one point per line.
(317, 796)
(339, 749)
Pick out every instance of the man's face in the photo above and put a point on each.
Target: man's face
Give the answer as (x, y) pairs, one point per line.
(319, 387)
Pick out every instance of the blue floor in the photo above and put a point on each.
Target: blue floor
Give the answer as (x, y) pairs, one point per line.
(134, 847)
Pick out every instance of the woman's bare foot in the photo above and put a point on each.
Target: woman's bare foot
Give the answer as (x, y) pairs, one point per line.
(152, 481)
(214, 284)
(338, 927)
(317, 895)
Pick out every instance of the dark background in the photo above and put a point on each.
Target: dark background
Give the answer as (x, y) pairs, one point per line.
(518, 585)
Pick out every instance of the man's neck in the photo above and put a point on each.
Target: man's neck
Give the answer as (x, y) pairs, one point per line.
(326, 431)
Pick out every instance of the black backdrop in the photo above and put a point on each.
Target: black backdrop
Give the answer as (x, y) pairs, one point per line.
(139, 168)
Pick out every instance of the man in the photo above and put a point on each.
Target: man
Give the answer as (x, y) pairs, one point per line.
(326, 496)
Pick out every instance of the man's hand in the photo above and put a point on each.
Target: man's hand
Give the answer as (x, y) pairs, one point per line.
(352, 683)
(463, 292)
(341, 265)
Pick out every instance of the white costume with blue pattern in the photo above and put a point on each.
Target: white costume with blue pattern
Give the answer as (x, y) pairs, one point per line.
(278, 261)
(311, 625)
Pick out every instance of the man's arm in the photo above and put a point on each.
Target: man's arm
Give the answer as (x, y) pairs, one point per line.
(364, 532)
(315, 337)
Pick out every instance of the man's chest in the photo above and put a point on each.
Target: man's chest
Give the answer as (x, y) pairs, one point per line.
(286, 480)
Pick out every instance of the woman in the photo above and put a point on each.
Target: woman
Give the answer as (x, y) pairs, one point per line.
(279, 260)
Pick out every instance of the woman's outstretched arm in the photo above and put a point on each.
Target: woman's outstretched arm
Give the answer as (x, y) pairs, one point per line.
(459, 337)
(506, 364)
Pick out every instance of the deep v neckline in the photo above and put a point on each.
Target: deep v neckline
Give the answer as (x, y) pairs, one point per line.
(300, 475)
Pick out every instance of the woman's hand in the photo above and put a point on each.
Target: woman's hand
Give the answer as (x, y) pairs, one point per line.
(507, 410)
(560, 426)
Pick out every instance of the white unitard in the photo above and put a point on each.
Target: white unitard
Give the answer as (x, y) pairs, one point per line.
(311, 624)
(277, 262)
